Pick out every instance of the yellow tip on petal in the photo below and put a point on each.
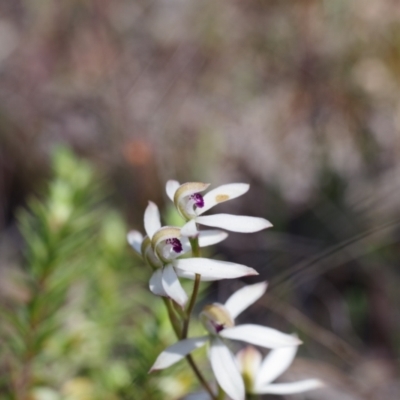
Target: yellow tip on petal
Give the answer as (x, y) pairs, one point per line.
(219, 198)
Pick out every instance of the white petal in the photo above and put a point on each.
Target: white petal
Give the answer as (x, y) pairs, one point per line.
(171, 188)
(172, 286)
(234, 223)
(206, 238)
(177, 351)
(260, 336)
(276, 362)
(244, 297)
(155, 283)
(213, 269)
(221, 194)
(225, 370)
(291, 388)
(210, 237)
(135, 239)
(189, 229)
(152, 221)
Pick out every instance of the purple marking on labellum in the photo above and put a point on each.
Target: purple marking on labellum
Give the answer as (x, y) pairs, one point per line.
(218, 327)
(176, 244)
(198, 200)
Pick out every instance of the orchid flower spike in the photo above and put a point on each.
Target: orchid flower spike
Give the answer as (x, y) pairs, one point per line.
(218, 319)
(167, 245)
(258, 374)
(191, 204)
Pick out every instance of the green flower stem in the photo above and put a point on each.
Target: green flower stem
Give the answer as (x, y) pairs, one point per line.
(176, 327)
(172, 317)
(195, 247)
(196, 253)
(250, 396)
(182, 334)
(192, 302)
(200, 377)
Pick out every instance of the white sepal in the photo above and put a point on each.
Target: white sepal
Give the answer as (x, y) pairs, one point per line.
(276, 362)
(172, 286)
(135, 239)
(260, 336)
(290, 388)
(212, 269)
(152, 220)
(177, 351)
(234, 223)
(156, 285)
(225, 370)
(211, 236)
(190, 229)
(244, 298)
(222, 194)
(171, 187)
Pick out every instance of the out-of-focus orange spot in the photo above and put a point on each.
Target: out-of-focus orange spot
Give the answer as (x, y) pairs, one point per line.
(137, 152)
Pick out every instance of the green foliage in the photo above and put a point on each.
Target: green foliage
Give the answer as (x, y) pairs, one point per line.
(86, 329)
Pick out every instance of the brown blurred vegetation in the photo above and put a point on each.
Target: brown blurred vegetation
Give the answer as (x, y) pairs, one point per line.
(299, 98)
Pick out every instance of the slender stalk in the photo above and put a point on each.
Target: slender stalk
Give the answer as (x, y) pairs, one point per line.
(196, 253)
(200, 377)
(172, 317)
(192, 302)
(174, 314)
(195, 247)
(175, 325)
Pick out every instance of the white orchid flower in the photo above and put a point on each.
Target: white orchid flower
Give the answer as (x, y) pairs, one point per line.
(142, 244)
(258, 374)
(164, 281)
(167, 244)
(191, 204)
(218, 319)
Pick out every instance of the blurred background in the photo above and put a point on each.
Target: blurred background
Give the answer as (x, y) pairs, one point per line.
(101, 102)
